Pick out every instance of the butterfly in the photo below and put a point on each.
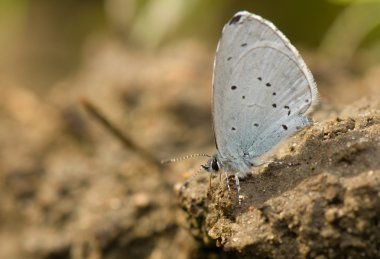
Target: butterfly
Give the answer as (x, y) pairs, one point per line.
(262, 93)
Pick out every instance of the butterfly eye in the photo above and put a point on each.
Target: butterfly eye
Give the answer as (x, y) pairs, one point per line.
(215, 165)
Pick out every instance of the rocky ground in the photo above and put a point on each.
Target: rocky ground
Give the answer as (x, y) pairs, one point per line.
(69, 189)
(323, 202)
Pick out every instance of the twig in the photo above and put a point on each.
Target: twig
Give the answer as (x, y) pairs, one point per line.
(125, 140)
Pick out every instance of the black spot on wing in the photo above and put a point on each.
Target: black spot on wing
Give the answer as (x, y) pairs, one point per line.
(244, 44)
(274, 105)
(268, 84)
(288, 108)
(233, 87)
(274, 93)
(229, 58)
(233, 128)
(284, 127)
(256, 124)
(259, 78)
(243, 97)
(235, 19)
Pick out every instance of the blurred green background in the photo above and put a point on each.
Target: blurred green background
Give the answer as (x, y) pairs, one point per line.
(42, 41)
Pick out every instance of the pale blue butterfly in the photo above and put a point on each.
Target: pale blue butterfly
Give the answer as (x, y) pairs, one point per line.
(262, 93)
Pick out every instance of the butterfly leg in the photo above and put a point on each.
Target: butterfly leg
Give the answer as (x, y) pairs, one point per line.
(228, 182)
(238, 187)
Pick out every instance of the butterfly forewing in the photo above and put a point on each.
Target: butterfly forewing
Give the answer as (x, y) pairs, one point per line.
(262, 88)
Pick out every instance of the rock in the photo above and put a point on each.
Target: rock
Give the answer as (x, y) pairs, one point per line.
(323, 201)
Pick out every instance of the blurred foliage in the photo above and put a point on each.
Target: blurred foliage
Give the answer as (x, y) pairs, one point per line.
(352, 1)
(43, 40)
(356, 28)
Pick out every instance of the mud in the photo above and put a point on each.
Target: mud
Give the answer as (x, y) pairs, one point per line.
(322, 202)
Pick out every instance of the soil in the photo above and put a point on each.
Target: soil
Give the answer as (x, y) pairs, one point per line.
(322, 201)
(69, 189)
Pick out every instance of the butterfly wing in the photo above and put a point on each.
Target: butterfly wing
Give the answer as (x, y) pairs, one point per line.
(262, 89)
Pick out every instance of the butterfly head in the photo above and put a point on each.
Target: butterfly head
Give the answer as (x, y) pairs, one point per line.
(213, 165)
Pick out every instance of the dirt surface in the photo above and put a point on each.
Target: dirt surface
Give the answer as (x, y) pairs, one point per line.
(68, 189)
(324, 201)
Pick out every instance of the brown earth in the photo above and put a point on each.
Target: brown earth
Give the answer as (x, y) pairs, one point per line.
(324, 201)
(68, 189)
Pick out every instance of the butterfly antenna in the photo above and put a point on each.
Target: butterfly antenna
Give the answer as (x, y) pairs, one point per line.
(177, 159)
